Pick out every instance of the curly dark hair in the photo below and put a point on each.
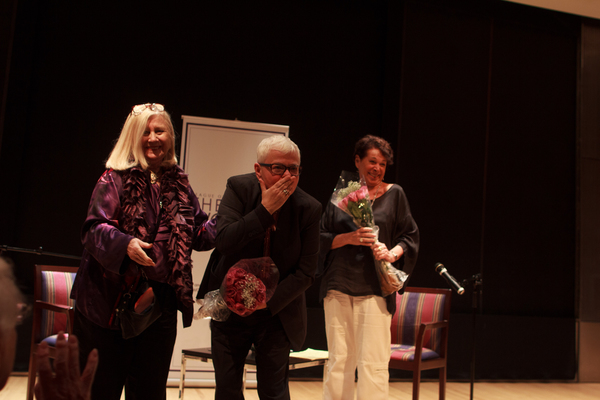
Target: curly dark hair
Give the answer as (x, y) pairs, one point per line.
(374, 142)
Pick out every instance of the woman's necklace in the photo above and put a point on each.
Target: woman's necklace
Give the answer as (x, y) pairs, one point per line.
(154, 177)
(376, 193)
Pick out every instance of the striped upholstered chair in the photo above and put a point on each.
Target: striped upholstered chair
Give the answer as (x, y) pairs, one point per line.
(420, 334)
(52, 311)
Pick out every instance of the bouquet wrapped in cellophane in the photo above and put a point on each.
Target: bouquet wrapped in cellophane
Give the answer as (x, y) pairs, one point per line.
(351, 195)
(247, 284)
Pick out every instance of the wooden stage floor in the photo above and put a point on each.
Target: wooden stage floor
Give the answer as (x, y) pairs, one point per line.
(16, 389)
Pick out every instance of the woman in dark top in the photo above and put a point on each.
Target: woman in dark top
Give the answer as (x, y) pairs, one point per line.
(143, 215)
(357, 317)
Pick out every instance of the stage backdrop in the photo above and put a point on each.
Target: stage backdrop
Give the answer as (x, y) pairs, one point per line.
(212, 150)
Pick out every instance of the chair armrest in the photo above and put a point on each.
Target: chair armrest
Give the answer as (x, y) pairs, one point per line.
(421, 335)
(434, 325)
(53, 307)
(40, 305)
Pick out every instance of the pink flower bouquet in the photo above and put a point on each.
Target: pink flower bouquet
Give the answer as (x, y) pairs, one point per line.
(247, 284)
(352, 197)
(354, 201)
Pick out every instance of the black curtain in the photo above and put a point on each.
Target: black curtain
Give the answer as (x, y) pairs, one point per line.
(479, 101)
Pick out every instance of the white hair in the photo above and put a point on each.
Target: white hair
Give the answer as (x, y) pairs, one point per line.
(276, 142)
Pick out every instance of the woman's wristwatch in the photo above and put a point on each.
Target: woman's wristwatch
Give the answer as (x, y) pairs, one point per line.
(395, 255)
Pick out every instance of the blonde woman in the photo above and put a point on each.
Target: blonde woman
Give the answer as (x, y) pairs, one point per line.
(143, 219)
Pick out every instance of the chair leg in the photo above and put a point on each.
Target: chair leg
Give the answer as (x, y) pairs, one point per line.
(244, 380)
(416, 384)
(443, 383)
(182, 375)
(32, 374)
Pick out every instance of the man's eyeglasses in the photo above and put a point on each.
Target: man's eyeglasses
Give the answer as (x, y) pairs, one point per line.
(279, 169)
(137, 110)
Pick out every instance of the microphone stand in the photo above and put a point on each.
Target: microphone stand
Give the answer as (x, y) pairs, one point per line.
(39, 252)
(477, 282)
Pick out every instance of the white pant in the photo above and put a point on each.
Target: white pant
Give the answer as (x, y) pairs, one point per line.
(358, 336)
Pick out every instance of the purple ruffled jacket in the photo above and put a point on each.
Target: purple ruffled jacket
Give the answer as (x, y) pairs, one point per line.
(105, 262)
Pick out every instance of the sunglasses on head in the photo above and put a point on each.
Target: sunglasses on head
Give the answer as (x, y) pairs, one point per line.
(137, 110)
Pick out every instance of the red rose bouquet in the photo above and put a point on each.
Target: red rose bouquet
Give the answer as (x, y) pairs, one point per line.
(352, 197)
(247, 284)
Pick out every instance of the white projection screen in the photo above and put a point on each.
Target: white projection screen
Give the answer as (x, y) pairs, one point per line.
(212, 150)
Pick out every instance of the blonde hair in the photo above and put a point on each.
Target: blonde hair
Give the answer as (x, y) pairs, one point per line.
(276, 142)
(10, 297)
(128, 150)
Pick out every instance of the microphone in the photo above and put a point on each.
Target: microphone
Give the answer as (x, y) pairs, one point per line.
(440, 269)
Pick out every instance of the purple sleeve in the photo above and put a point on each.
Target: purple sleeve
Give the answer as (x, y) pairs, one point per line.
(205, 230)
(100, 234)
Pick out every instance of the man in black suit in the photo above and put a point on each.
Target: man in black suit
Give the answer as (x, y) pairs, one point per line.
(265, 210)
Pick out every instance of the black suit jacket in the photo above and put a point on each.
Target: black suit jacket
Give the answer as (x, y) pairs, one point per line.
(242, 222)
